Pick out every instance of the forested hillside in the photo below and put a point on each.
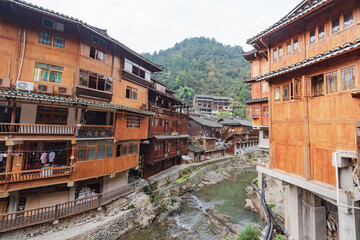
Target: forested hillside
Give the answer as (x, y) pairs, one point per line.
(206, 66)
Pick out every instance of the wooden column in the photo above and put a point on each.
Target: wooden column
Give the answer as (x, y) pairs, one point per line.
(306, 82)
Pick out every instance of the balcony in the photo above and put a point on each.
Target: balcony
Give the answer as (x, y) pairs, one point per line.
(93, 93)
(20, 128)
(95, 131)
(165, 111)
(29, 175)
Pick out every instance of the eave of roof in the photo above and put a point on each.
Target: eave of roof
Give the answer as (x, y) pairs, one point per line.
(291, 17)
(206, 122)
(26, 96)
(347, 47)
(257, 100)
(171, 137)
(99, 31)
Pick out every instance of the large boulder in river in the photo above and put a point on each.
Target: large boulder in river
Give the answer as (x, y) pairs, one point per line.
(223, 218)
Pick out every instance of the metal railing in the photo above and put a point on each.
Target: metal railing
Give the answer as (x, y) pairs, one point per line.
(21, 128)
(11, 221)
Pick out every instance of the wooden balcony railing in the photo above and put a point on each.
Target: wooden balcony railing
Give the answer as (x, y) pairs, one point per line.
(165, 111)
(31, 217)
(29, 175)
(21, 128)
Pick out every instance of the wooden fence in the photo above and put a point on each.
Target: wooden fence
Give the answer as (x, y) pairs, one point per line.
(11, 221)
(21, 128)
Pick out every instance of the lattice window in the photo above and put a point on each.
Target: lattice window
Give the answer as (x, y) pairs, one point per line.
(286, 93)
(331, 82)
(348, 78)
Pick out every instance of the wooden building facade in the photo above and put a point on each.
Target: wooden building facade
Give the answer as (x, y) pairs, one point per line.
(168, 130)
(310, 58)
(73, 108)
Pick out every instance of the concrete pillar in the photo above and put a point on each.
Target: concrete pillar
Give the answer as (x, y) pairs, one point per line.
(349, 222)
(260, 180)
(72, 192)
(293, 212)
(14, 201)
(314, 220)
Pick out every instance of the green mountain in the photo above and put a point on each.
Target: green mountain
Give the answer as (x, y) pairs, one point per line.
(206, 66)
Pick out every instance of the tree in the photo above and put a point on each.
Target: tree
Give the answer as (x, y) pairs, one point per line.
(186, 93)
(223, 114)
(197, 108)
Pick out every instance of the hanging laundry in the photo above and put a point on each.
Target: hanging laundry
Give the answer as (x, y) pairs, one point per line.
(51, 157)
(43, 158)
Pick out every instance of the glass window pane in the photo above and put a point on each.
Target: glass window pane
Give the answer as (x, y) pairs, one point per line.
(84, 78)
(44, 75)
(128, 65)
(124, 149)
(59, 42)
(280, 52)
(55, 77)
(288, 48)
(135, 148)
(100, 153)
(45, 38)
(109, 152)
(296, 44)
(130, 149)
(48, 23)
(102, 43)
(335, 25)
(321, 32)
(312, 36)
(274, 54)
(94, 40)
(81, 154)
(90, 154)
(37, 74)
(59, 27)
(348, 19)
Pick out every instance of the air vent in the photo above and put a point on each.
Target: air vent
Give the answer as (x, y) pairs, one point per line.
(4, 82)
(65, 91)
(25, 86)
(42, 88)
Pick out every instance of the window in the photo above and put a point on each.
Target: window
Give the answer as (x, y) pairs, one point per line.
(93, 149)
(348, 78)
(288, 48)
(280, 52)
(98, 41)
(97, 54)
(295, 44)
(312, 36)
(95, 81)
(131, 93)
(296, 89)
(277, 93)
(49, 39)
(331, 82)
(51, 115)
(348, 19)
(53, 25)
(48, 73)
(317, 83)
(45, 38)
(265, 111)
(133, 122)
(274, 54)
(137, 70)
(264, 87)
(335, 25)
(286, 93)
(266, 134)
(321, 31)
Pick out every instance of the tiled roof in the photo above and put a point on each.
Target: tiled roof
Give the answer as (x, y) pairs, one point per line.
(347, 47)
(299, 11)
(256, 100)
(99, 31)
(234, 122)
(206, 122)
(20, 95)
(195, 149)
(162, 137)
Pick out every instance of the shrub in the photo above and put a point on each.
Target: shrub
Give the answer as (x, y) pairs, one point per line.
(279, 237)
(250, 233)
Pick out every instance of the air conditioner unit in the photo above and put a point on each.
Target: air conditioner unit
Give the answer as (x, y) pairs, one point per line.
(4, 82)
(65, 91)
(42, 88)
(25, 86)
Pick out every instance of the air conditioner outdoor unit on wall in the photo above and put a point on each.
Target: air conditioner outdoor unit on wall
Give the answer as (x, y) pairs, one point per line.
(25, 86)
(4, 82)
(42, 88)
(65, 91)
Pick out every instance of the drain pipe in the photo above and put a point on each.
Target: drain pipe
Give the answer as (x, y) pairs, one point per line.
(338, 203)
(8, 76)
(22, 58)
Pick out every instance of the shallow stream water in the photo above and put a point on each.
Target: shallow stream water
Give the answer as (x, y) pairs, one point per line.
(228, 197)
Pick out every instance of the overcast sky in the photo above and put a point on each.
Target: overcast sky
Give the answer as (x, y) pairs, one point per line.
(149, 25)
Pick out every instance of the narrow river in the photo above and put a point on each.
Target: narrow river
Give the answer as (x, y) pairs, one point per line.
(228, 197)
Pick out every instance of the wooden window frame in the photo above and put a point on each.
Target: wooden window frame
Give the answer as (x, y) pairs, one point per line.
(312, 33)
(297, 47)
(56, 25)
(40, 67)
(286, 92)
(98, 42)
(280, 49)
(132, 147)
(133, 121)
(317, 85)
(352, 21)
(287, 48)
(133, 93)
(279, 92)
(328, 77)
(353, 80)
(52, 114)
(108, 81)
(97, 54)
(274, 52)
(338, 25)
(96, 145)
(324, 35)
(296, 89)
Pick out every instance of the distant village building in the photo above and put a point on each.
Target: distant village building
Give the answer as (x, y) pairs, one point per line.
(206, 140)
(310, 59)
(167, 130)
(212, 105)
(239, 135)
